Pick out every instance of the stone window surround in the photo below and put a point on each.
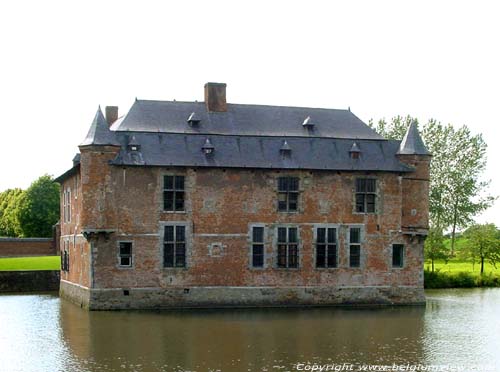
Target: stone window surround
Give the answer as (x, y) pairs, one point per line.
(174, 173)
(337, 228)
(189, 243)
(250, 245)
(273, 230)
(377, 195)
(132, 256)
(403, 256)
(67, 205)
(347, 244)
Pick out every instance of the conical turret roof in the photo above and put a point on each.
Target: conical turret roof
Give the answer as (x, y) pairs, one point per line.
(99, 133)
(412, 143)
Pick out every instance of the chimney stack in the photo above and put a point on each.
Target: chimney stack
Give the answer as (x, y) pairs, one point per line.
(215, 97)
(111, 114)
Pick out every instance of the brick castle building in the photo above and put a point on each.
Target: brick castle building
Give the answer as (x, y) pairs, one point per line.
(210, 204)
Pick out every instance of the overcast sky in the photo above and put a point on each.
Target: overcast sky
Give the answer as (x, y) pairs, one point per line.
(61, 59)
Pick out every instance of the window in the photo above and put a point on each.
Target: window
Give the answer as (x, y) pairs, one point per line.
(173, 193)
(326, 247)
(125, 254)
(365, 195)
(174, 246)
(257, 246)
(397, 255)
(67, 205)
(288, 194)
(65, 257)
(354, 247)
(287, 247)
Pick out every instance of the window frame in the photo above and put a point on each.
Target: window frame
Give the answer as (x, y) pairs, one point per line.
(287, 194)
(359, 245)
(131, 256)
(287, 244)
(316, 227)
(365, 193)
(402, 256)
(67, 205)
(187, 244)
(253, 243)
(175, 191)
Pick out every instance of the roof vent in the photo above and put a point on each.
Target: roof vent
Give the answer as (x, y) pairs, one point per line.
(308, 123)
(133, 145)
(354, 151)
(207, 147)
(285, 148)
(193, 119)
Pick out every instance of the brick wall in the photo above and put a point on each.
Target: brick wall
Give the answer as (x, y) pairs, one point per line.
(12, 247)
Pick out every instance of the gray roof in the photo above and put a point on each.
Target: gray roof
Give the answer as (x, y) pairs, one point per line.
(242, 120)
(99, 133)
(174, 149)
(412, 143)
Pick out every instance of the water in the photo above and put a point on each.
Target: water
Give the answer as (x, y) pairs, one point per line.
(458, 329)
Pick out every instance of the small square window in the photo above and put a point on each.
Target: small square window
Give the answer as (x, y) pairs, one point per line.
(125, 254)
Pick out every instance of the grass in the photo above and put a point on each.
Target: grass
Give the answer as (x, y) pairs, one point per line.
(30, 263)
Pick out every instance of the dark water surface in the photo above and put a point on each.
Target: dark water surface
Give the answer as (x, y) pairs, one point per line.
(458, 330)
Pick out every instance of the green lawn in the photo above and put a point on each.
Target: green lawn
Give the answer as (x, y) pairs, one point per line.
(454, 266)
(30, 263)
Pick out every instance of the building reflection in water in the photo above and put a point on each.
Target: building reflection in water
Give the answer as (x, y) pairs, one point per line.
(241, 339)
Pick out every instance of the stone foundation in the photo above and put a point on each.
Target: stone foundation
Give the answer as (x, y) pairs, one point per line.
(219, 297)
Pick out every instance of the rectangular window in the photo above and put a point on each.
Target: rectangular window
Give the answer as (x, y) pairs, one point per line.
(173, 193)
(67, 205)
(258, 246)
(365, 195)
(326, 247)
(288, 194)
(397, 255)
(288, 244)
(354, 247)
(125, 254)
(174, 246)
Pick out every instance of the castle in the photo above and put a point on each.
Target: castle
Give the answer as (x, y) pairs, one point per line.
(213, 204)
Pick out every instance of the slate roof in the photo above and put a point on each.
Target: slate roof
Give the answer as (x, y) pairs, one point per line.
(412, 143)
(243, 120)
(175, 149)
(99, 133)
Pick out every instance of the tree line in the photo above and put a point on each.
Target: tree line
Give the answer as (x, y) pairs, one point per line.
(457, 191)
(31, 212)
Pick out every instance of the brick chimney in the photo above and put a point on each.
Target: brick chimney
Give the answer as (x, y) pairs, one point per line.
(215, 97)
(111, 114)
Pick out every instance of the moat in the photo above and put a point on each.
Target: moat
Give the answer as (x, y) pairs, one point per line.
(456, 329)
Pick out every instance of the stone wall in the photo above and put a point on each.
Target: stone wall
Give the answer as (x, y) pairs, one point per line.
(14, 247)
(29, 281)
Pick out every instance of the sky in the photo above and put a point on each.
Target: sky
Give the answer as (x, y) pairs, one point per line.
(60, 60)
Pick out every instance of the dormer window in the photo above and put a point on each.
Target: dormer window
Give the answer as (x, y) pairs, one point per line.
(193, 119)
(133, 145)
(285, 148)
(308, 123)
(354, 151)
(208, 148)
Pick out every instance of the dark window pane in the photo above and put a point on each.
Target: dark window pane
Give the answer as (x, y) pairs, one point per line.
(360, 185)
(125, 261)
(179, 182)
(360, 203)
(332, 236)
(179, 201)
(397, 255)
(168, 255)
(283, 184)
(370, 185)
(370, 203)
(293, 201)
(169, 234)
(332, 256)
(168, 182)
(258, 234)
(282, 234)
(293, 184)
(292, 256)
(320, 255)
(292, 235)
(354, 256)
(282, 255)
(180, 234)
(258, 255)
(168, 200)
(125, 248)
(355, 235)
(321, 235)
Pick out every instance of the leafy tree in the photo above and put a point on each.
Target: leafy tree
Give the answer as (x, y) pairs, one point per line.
(483, 244)
(459, 159)
(434, 247)
(38, 209)
(9, 203)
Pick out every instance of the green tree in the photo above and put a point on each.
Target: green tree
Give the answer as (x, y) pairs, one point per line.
(38, 209)
(483, 244)
(434, 247)
(459, 159)
(9, 203)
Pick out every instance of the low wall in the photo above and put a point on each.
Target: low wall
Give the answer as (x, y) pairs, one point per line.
(16, 247)
(29, 281)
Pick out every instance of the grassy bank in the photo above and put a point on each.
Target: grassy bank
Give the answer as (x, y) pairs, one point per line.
(460, 274)
(30, 263)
